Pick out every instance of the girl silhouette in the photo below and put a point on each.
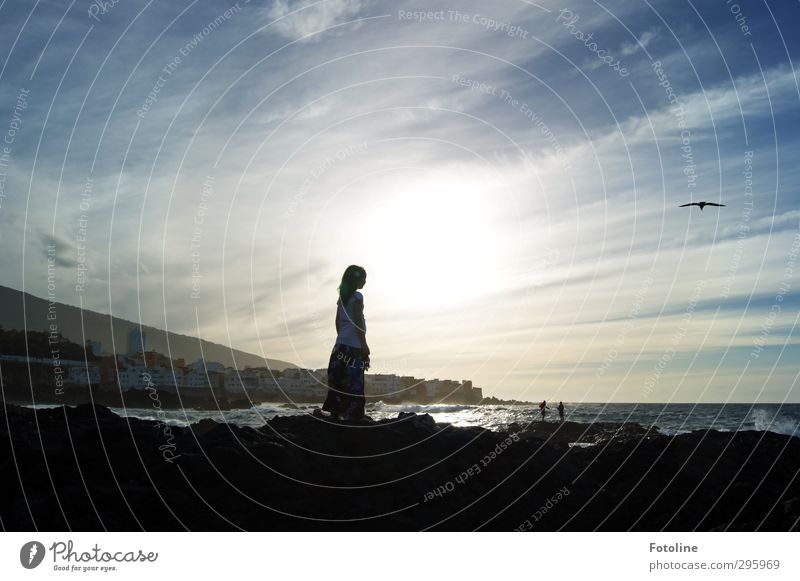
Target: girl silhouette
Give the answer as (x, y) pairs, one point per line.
(350, 356)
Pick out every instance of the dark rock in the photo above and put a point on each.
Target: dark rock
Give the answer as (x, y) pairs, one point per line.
(88, 411)
(89, 469)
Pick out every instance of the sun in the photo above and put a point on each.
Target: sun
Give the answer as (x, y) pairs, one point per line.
(431, 242)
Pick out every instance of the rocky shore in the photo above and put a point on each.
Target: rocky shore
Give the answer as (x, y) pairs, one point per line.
(85, 468)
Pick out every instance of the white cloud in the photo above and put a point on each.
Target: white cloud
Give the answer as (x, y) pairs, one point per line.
(645, 39)
(295, 22)
(595, 229)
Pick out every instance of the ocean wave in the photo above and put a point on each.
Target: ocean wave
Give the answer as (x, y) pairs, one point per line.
(419, 408)
(668, 432)
(150, 416)
(766, 422)
(281, 409)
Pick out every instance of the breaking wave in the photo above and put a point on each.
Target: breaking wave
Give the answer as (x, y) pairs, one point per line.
(765, 422)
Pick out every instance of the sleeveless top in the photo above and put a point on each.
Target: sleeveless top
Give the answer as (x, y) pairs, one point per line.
(348, 325)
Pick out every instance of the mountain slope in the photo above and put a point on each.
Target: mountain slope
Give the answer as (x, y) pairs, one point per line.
(98, 327)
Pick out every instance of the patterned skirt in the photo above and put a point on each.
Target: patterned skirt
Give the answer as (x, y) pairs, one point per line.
(346, 382)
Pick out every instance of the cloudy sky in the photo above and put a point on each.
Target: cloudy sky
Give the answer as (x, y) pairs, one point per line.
(508, 173)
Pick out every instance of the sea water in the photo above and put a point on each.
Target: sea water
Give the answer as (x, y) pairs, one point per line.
(668, 418)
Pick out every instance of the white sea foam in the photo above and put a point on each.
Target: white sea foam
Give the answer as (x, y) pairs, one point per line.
(764, 421)
(421, 409)
(674, 420)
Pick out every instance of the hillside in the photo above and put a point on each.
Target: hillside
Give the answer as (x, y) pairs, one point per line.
(100, 327)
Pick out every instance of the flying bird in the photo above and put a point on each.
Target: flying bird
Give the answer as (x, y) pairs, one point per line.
(701, 204)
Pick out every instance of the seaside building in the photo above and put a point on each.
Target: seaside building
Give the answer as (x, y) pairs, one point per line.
(131, 377)
(302, 384)
(198, 379)
(131, 374)
(431, 388)
(150, 369)
(149, 359)
(136, 341)
(259, 381)
(241, 381)
(83, 375)
(383, 386)
(203, 366)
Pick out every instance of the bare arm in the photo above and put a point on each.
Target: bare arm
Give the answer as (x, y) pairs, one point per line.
(361, 327)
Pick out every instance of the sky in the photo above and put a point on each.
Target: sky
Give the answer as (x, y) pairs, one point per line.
(508, 174)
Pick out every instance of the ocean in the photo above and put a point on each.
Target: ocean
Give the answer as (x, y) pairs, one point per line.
(670, 419)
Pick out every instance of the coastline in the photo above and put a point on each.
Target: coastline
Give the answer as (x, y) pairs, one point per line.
(408, 473)
(184, 399)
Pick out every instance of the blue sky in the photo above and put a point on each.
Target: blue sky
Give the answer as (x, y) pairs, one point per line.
(512, 195)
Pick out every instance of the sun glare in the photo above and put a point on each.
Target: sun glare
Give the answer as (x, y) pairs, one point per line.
(433, 243)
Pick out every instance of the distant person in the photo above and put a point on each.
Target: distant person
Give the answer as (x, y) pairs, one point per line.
(560, 409)
(350, 356)
(542, 408)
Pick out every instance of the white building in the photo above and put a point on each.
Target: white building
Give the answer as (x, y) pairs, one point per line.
(432, 387)
(80, 375)
(137, 376)
(137, 340)
(302, 383)
(204, 366)
(131, 377)
(196, 379)
(241, 381)
(386, 386)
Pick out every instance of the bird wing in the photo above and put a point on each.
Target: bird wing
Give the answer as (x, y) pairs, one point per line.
(713, 204)
(692, 204)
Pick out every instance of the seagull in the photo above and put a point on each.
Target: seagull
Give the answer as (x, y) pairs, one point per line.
(701, 204)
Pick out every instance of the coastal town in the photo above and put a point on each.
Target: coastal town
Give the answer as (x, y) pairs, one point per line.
(71, 369)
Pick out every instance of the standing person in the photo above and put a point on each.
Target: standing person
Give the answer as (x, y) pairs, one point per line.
(560, 409)
(542, 408)
(350, 356)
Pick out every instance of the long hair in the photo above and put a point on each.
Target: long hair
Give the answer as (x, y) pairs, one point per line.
(352, 277)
